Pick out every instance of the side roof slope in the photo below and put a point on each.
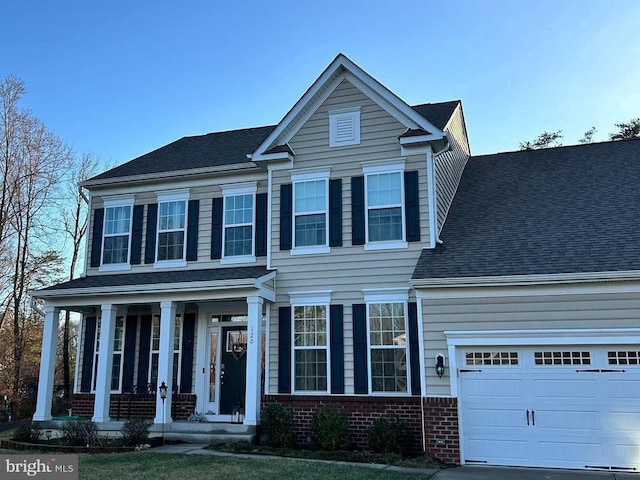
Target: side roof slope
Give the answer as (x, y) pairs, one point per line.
(562, 210)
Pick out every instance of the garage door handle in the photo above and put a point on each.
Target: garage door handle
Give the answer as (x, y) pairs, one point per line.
(527, 417)
(533, 417)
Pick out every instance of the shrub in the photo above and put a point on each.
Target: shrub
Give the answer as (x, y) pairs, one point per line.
(135, 432)
(277, 424)
(389, 435)
(329, 430)
(28, 432)
(80, 432)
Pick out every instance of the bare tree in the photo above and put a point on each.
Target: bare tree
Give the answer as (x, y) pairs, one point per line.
(544, 140)
(588, 136)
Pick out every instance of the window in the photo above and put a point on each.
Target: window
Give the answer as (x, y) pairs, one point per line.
(177, 352)
(491, 358)
(96, 349)
(118, 351)
(310, 332)
(172, 223)
(384, 207)
(310, 207)
(116, 240)
(562, 358)
(624, 357)
(238, 225)
(387, 346)
(344, 127)
(155, 350)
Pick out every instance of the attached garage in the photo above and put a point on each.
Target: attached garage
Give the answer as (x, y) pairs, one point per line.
(548, 405)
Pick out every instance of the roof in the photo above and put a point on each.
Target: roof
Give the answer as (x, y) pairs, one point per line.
(228, 148)
(562, 210)
(160, 277)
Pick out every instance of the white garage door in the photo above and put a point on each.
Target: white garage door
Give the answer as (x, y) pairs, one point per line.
(550, 406)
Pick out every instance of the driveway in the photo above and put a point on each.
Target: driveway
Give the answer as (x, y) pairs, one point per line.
(504, 473)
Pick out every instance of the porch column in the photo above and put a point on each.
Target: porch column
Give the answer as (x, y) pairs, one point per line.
(254, 361)
(105, 363)
(165, 360)
(47, 363)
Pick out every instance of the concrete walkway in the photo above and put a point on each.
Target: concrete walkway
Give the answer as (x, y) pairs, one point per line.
(454, 473)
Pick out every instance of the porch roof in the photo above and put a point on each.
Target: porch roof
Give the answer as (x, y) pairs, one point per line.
(96, 283)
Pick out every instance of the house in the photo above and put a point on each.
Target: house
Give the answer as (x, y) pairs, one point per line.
(355, 256)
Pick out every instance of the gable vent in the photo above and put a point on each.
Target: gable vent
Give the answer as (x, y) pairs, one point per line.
(344, 128)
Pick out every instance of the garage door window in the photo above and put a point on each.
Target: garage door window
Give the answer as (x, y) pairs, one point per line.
(562, 358)
(624, 358)
(491, 358)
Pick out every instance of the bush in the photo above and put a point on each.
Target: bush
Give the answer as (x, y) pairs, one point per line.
(80, 433)
(277, 424)
(329, 430)
(28, 432)
(135, 432)
(390, 435)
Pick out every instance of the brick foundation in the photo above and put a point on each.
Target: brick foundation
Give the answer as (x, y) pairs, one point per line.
(441, 419)
(125, 406)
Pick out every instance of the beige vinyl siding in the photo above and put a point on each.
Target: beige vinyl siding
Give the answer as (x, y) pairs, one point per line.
(205, 193)
(519, 308)
(348, 269)
(450, 165)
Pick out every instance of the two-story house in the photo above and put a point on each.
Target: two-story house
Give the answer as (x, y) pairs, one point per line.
(342, 258)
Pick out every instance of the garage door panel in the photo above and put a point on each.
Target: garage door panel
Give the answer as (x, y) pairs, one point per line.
(619, 420)
(625, 387)
(570, 453)
(509, 451)
(565, 387)
(493, 417)
(567, 420)
(482, 387)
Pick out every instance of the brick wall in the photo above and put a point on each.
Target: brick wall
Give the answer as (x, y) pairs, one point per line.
(137, 406)
(441, 419)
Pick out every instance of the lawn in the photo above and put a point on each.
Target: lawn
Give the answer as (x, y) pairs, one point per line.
(157, 466)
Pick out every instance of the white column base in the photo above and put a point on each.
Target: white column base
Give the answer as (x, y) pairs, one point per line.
(254, 361)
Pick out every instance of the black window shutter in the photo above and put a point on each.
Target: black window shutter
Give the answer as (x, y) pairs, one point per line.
(188, 332)
(335, 213)
(284, 350)
(87, 353)
(129, 353)
(136, 235)
(414, 350)
(144, 347)
(216, 229)
(192, 230)
(261, 225)
(286, 212)
(357, 211)
(337, 349)
(96, 237)
(150, 242)
(360, 348)
(412, 206)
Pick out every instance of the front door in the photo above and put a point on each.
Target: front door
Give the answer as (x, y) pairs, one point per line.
(233, 368)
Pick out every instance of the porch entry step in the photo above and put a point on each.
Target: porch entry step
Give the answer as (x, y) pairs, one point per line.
(210, 438)
(195, 432)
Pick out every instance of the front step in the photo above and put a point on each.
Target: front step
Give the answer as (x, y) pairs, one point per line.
(208, 432)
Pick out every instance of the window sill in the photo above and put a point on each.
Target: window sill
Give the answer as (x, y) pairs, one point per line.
(238, 259)
(170, 264)
(315, 250)
(311, 392)
(393, 245)
(115, 267)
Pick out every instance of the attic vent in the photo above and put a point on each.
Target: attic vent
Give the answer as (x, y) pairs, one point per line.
(344, 127)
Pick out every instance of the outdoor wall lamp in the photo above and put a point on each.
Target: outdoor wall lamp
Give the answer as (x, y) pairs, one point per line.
(439, 365)
(163, 396)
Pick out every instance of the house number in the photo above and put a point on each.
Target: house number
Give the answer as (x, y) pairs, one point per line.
(251, 336)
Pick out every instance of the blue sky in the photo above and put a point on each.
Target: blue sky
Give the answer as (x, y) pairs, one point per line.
(119, 79)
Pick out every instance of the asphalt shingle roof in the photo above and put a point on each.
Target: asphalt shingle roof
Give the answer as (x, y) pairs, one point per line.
(161, 277)
(562, 210)
(229, 148)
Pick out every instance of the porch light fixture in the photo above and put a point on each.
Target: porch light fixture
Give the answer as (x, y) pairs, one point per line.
(440, 365)
(163, 396)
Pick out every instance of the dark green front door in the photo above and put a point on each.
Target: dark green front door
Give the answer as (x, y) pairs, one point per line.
(233, 371)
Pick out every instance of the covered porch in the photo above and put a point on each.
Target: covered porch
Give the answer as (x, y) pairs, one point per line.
(199, 332)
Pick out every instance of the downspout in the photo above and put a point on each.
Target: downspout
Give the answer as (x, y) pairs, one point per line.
(423, 368)
(269, 209)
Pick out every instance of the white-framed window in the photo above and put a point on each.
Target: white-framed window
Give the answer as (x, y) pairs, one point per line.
(310, 212)
(239, 228)
(384, 200)
(116, 237)
(154, 351)
(310, 348)
(171, 241)
(118, 356)
(344, 127)
(388, 347)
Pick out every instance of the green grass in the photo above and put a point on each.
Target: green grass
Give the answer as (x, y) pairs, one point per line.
(152, 466)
